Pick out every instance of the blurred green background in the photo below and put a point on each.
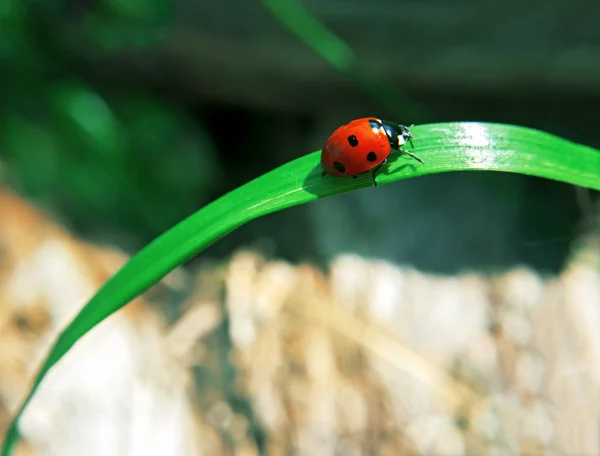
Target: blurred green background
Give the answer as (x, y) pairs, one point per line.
(121, 117)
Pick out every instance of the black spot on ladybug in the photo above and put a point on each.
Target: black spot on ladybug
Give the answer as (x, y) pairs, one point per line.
(371, 156)
(341, 168)
(352, 140)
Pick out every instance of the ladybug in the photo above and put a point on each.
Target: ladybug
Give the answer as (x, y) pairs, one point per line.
(363, 145)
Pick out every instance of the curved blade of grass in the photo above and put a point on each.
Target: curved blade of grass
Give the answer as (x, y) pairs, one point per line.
(444, 147)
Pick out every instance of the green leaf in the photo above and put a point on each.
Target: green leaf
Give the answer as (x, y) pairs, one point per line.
(333, 49)
(89, 116)
(444, 147)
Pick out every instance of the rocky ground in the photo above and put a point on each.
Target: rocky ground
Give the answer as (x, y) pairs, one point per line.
(257, 356)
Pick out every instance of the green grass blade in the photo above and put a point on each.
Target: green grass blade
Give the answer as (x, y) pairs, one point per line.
(298, 21)
(444, 147)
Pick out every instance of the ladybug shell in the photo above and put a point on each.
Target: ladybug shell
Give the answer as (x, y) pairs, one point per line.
(355, 148)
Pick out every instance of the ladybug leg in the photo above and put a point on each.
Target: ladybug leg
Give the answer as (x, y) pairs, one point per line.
(410, 154)
(377, 168)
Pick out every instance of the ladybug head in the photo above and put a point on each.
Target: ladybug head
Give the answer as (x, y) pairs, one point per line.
(397, 134)
(407, 135)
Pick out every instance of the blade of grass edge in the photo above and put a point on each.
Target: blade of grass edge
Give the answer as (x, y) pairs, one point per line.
(333, 49)
(444, 147)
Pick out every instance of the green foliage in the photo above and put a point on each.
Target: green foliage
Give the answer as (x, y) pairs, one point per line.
(444, 148)
(109, 161)
(333, 49)
(133, 163)
(118, 23)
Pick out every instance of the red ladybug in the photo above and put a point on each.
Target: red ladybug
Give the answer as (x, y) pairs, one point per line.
(363, 145)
